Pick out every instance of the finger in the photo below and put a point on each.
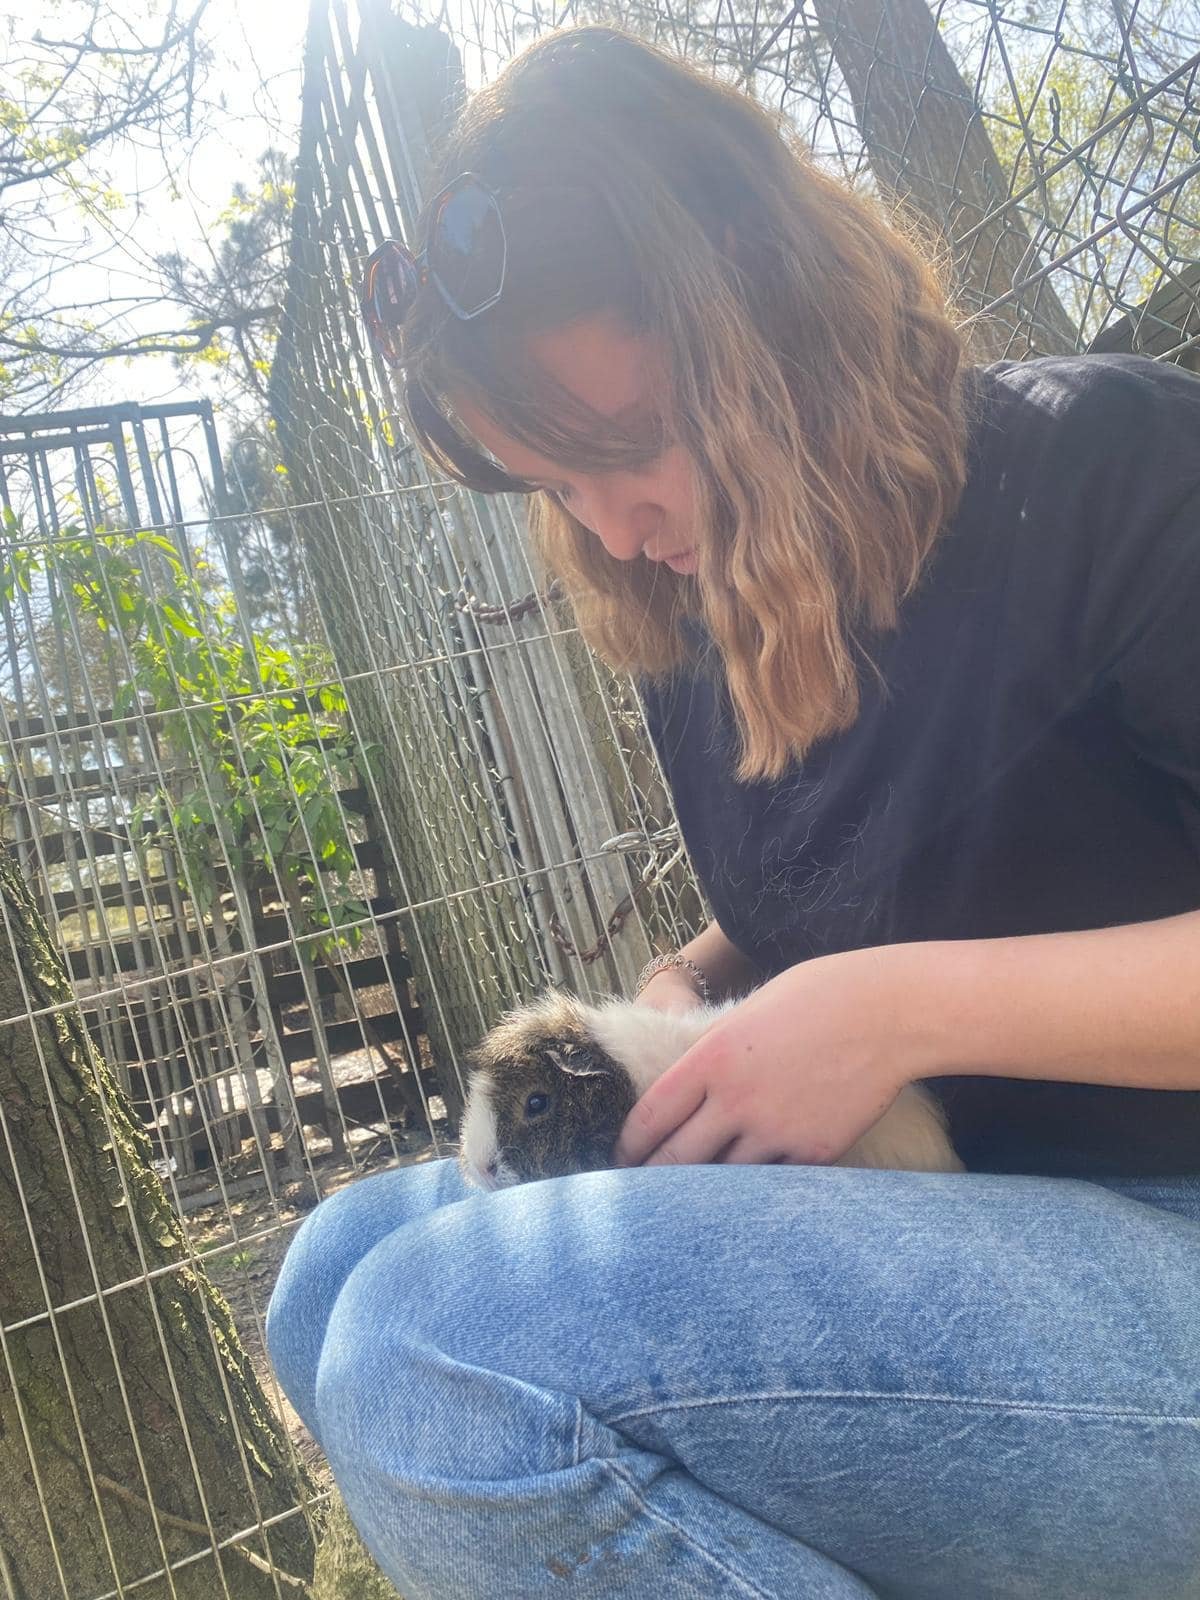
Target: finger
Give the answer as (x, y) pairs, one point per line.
(664, 1106)
(698, 1140)
(747, 1151)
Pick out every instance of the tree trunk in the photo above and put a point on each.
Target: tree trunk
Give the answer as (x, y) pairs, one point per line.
(133, 1432)
(929, 148)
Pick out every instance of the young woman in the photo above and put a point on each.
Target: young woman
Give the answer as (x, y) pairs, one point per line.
(920, 647)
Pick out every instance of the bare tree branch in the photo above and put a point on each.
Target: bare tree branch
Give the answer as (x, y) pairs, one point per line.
(196, 339)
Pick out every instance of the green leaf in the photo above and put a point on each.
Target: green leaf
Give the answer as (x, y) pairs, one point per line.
(160, 542)
(179, 622)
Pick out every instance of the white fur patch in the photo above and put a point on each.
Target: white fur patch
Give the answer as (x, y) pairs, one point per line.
(477, 1135)
(647, 1042)
(909, 1137)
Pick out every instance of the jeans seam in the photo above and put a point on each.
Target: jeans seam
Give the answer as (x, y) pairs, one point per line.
(981, 1402)
(689, 1539)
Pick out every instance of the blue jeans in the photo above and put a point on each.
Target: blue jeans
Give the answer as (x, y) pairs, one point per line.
(784, 1382)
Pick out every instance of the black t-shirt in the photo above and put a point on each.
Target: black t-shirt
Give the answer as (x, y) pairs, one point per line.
(1032, 764)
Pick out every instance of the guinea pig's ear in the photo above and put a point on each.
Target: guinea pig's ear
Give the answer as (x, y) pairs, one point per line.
(580, 1060)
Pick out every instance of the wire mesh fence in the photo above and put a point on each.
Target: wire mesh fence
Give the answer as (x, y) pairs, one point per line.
(309, 774)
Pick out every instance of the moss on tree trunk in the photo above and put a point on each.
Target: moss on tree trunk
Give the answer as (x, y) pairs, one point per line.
(133, 1432)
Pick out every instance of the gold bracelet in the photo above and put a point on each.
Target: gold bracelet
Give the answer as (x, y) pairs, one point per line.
(664, 964)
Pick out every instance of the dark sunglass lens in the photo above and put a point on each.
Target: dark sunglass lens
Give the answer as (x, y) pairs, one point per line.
(394, 287)
(466, 250)
(387, 291)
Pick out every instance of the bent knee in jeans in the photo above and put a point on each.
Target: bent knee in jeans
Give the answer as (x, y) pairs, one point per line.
(328, 1246)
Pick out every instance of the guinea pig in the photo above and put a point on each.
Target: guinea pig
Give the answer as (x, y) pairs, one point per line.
(553, 1081)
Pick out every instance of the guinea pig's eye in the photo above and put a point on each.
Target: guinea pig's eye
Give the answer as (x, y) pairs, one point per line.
(537, 1104)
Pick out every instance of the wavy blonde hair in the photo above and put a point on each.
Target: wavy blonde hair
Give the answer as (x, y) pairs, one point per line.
(814, 372)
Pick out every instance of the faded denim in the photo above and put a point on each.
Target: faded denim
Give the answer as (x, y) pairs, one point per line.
(784, 1382)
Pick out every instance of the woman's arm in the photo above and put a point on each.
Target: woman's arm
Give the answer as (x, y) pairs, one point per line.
(805, 1065)
(722, 963)
(1110, 1005)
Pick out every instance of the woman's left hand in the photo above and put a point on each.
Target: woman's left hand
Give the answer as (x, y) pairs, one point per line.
(796, 1073)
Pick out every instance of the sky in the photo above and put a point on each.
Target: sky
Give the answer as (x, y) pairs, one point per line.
(249, 100)
(254, 94)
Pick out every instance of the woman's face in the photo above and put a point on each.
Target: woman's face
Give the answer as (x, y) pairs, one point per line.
(648, 513)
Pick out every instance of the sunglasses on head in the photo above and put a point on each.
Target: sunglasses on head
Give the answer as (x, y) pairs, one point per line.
(464, 259)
